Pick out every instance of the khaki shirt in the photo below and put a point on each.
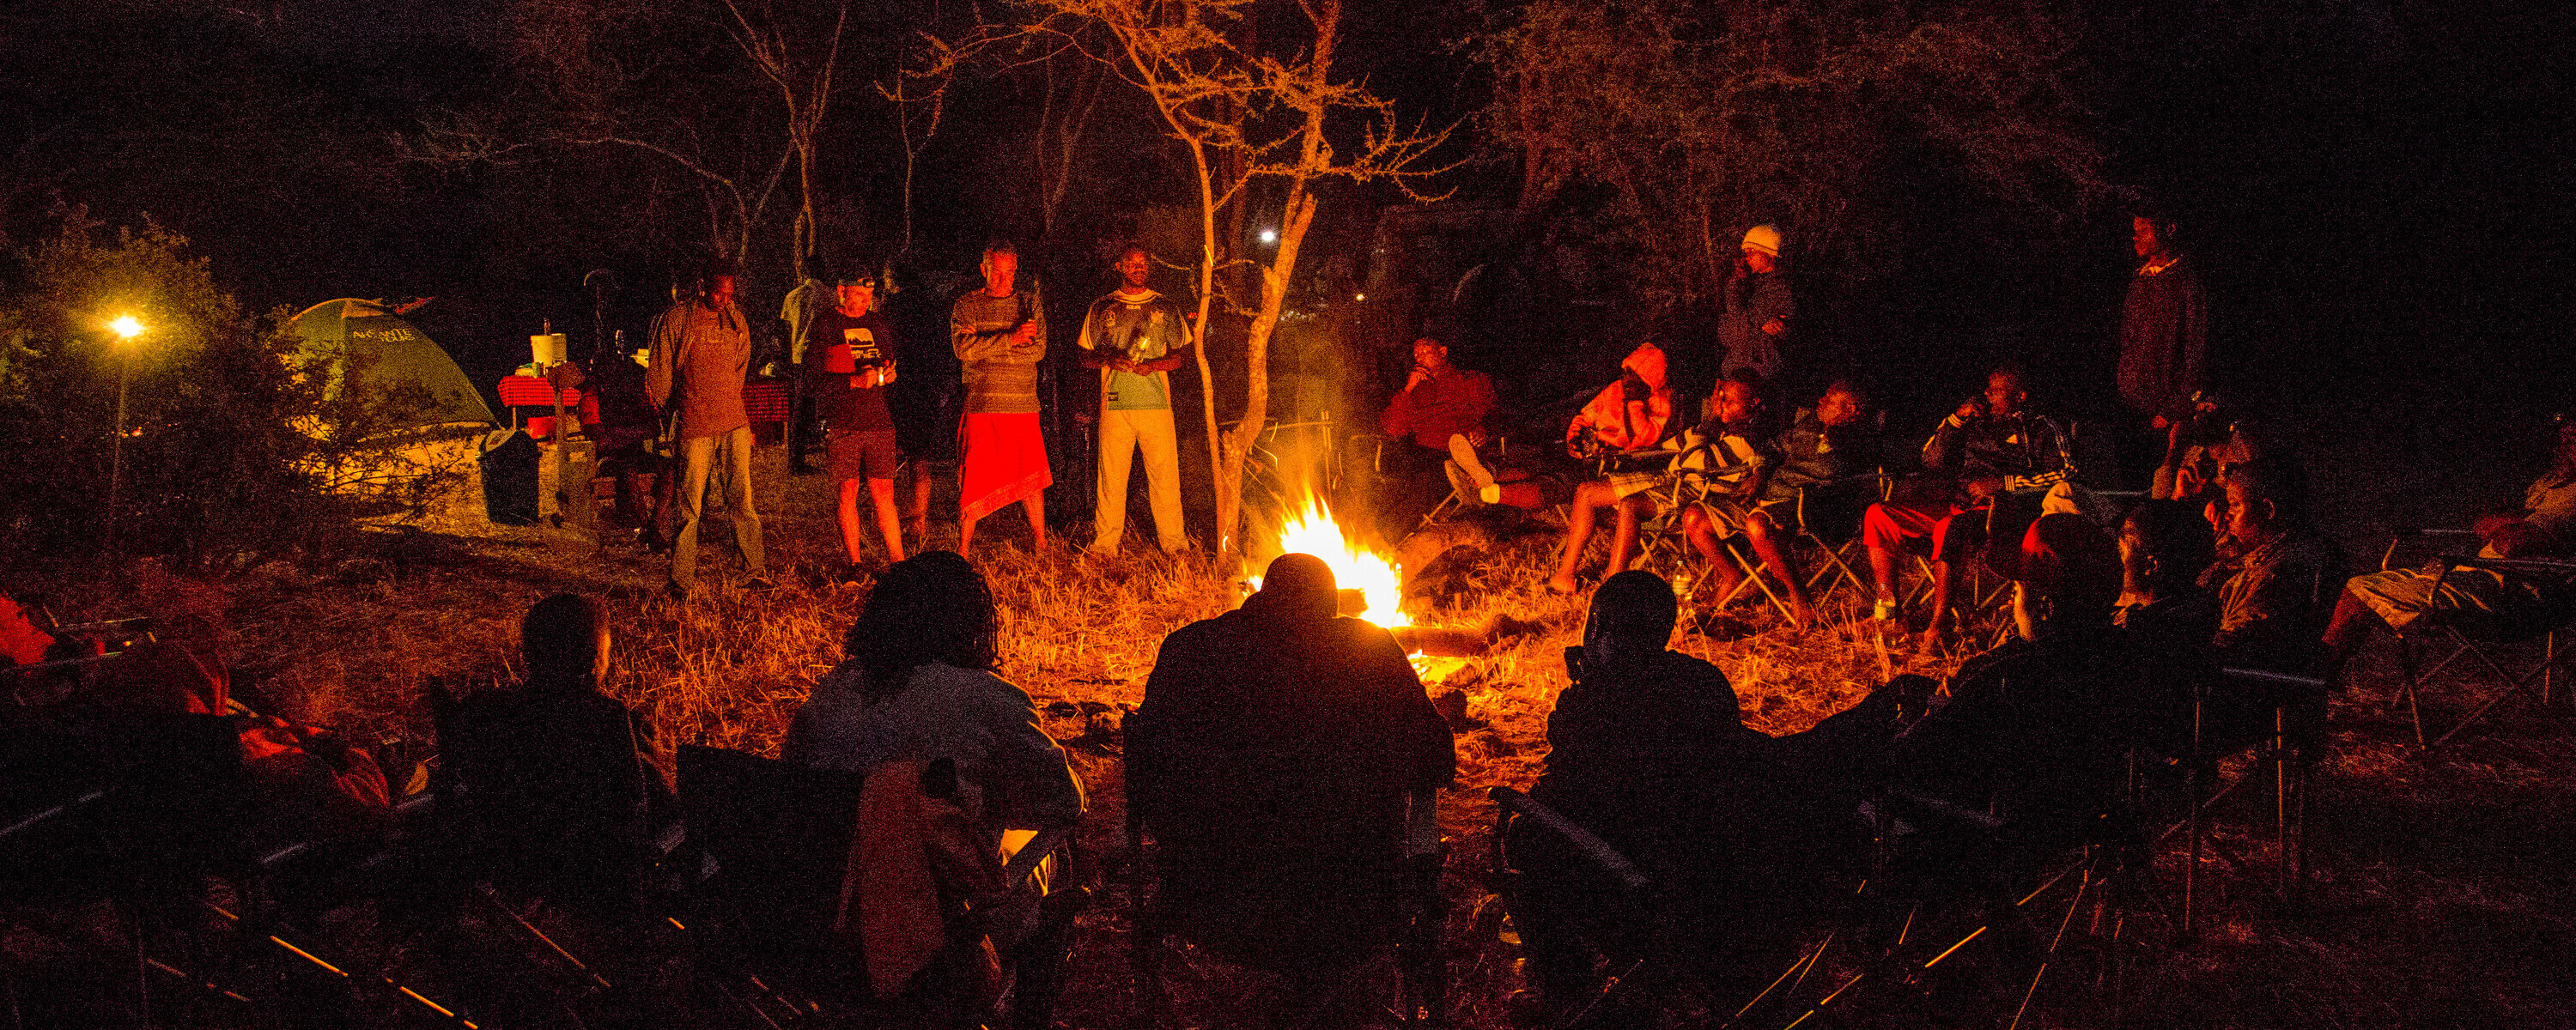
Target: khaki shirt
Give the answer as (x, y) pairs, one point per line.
(700, 357)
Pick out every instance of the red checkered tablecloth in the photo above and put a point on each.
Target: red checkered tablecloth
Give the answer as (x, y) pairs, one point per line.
(534, 392)
(765, 401)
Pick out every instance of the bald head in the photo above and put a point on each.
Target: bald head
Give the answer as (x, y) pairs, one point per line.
(1299, 585)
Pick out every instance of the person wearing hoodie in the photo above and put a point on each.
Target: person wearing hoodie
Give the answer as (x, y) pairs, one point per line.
(1136, 337)
(1635, 413)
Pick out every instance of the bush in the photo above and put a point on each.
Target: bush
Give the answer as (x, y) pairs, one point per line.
(237, 449)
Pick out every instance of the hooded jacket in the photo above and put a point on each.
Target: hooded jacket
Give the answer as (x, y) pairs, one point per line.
(1618, 423)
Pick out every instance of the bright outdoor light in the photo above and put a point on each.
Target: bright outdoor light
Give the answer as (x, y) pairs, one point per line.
(126, 327)
(1269, 235)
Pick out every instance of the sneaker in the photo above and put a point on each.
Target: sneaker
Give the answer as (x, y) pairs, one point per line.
(673, 590)
(1465, 456)
(759, 585)
(1463, 486)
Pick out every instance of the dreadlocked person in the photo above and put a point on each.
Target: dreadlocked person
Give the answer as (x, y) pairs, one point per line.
(1276, 761)
(918, 683)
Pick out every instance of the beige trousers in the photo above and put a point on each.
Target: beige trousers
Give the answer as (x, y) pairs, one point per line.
(702, 454)
(1122, 434)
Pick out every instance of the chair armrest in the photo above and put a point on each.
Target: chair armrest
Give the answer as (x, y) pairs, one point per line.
(1591, 847)
(2540, 565)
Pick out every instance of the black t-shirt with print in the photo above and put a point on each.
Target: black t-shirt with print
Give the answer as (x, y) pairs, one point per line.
(837, 348)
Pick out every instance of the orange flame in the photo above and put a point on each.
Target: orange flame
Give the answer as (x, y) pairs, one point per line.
(1314, 532)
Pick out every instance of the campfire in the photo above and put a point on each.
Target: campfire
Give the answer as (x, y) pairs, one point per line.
(1313, 531)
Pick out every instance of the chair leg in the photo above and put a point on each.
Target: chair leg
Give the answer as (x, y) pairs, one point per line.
(2406, 687)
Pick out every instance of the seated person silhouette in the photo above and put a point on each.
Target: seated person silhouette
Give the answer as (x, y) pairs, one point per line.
(1278, 762)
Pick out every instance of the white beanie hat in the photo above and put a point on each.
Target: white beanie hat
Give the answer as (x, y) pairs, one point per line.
(1763, 238)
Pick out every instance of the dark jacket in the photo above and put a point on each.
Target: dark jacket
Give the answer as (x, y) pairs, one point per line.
(1810, 453)
(2164, 340)
(1269, 761)
(2024, 444)
(2273, 602)
(1751, 301)
(1642, 752)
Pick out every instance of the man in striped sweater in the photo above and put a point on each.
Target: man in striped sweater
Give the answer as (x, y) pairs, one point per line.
(999, 333)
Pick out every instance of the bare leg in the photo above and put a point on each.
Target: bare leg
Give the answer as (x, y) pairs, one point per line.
(880, 491)
(1035, 505)
(1766, 544)
(1933, 630)
(848, 513)
(2349, 626)
(1578, 532)
(1882, 572)
(1703, 538)
(917, 515)
(1623, 539)
(965, 532)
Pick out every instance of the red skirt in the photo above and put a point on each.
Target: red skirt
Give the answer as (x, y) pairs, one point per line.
(1002, 461)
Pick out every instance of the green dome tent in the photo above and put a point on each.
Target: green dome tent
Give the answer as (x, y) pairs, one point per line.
(403, 355)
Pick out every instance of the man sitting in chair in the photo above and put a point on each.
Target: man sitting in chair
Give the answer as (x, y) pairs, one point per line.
(1439, 401)
(1284, 761)
(1633, 414)
(2542, 526)
(1992, 449)
(1825, 444)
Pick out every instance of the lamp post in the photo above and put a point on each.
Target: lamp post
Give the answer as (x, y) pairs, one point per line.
(126, 329)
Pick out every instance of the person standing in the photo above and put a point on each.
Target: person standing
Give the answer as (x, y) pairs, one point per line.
(1753, 328)
(2164, 327)
(999, 333)
(1136, 337)
(810, 298)
(849, 361)
(701, 352)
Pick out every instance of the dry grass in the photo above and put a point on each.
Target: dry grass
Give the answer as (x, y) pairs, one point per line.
(2443, 893)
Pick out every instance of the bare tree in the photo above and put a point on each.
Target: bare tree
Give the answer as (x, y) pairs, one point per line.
(802, 73)
(1699, 118)
(1247, 118)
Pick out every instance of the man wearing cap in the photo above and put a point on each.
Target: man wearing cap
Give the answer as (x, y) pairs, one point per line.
(1753, 328)
(849, 360)
(999, 334)
(1136, 338)
(701, 352)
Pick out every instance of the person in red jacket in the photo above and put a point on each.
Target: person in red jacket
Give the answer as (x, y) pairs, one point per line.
(1439, 401)
(1635, 413)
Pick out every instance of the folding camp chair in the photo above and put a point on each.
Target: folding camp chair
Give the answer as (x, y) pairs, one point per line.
(2483, 635)
(1661, 544)
(776, 839)
(2281, 751)
(1833, 529)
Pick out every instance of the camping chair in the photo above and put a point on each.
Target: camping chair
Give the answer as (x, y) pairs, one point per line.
(1661, 544)
(1421, 915)
(2483, 635)
(1631, 888)
(774, 840)
(1833, 529)
(2281, 752)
